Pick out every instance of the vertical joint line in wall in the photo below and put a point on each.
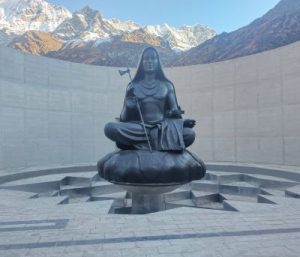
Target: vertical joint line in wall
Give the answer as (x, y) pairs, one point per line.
(213, 112)
(94, 135)
(281, 107)
(25, 110)
(24, 74)
(235, 114)
(48, 104)
(258, 106)
(71, 114)
(24, 133)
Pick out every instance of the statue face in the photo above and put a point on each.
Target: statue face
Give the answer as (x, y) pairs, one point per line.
(150, 61)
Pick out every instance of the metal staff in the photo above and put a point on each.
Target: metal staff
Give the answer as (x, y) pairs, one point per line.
(138, 106)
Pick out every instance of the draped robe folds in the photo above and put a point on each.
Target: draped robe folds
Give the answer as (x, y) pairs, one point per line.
(165, 134)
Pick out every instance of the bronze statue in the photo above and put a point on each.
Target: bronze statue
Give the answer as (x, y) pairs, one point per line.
(151, 112)
(152, 137)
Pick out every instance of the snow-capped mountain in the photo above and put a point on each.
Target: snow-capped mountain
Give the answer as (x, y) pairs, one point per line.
(183, 38)
(39, 27)
(19, 16)
(88, 25)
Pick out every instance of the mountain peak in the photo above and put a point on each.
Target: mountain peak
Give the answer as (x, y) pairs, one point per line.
(87, 10)
(90, 15)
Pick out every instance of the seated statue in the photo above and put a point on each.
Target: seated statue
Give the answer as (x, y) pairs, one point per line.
(151, 117)
(152, 137)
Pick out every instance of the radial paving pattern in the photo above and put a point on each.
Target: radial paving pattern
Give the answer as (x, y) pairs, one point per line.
(72, 213)
(218, 190)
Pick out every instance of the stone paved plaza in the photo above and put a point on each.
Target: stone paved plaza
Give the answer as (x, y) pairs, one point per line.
(234, 211)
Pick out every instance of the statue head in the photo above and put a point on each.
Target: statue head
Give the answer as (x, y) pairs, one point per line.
(149, 62)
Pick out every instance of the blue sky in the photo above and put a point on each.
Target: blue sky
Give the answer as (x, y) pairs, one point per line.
(221, 15)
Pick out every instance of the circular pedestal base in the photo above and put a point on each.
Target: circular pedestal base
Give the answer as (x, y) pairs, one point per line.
(148, 175)
(142, 204)
(148, 198)
(140, 167)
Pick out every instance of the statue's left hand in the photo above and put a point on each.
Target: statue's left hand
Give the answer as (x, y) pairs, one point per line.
(189, 123)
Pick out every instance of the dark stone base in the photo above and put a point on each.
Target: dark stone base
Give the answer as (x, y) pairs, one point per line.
(141, 167)
(148, 175)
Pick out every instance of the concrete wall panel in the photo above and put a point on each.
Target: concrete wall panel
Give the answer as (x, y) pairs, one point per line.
(59, 74)
(60, 126)
(60, 100)
(37, 153)
(224, 149)
(82, 101)
(204, 126)
(270, 66)
(270, 122)
(224, 124)
(12, 93)
(246, 123)
(223, 99)
(204, 148)
(37, 97)
(270, 150)
(36, 124)
(292, 120)
(36, 71)
(246, 69)
(12, 122)
(292, 150)
(247, 149)
(223, 73)
(269, 92)
(290, 59)
(11, 64)
(291, 89)
(246, 96)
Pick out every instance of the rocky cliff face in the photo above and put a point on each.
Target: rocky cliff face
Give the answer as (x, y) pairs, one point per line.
(280, 26)
(122, 50)
(37, 42)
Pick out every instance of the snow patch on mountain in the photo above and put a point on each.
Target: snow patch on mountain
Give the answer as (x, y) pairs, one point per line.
(183, 38)
(121, 26)
(88, 25)
(23, 15)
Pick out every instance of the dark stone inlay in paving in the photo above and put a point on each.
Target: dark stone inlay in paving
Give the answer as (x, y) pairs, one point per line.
(148, 238)
(25, 225)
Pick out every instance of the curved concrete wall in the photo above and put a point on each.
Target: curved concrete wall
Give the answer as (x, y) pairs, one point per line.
(53, 112)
